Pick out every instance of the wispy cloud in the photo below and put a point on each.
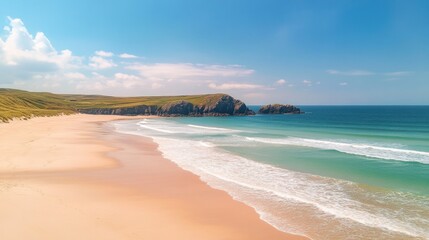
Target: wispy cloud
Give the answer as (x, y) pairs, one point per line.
(240, 86)
(308, 83)
(127, 80)
(33, 63)
(350, 73)
(104, 54)
(101, 63)
(368, 73)
(398, 74)
(127, 56)
(99, 82)
(170, 71)
(75, 75)
(343, 83)
(125, 76)
(280, 82)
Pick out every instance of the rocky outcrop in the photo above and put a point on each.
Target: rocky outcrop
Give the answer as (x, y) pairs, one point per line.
(177, 108)
(225, 105)
(212, 105)
(279, 109)
(130, 111)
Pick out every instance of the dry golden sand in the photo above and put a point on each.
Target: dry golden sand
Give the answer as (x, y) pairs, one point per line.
(71, 177)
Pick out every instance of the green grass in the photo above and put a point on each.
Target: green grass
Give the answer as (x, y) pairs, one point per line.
(94, 101)
(23, 104)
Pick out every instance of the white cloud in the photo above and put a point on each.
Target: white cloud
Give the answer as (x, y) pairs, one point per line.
(308, 83)
(98, 75)
(127, 56)
(156, 85)
(124, 76)
(127, 80)
(96, 82)
(168, 71)
(398, 74)
(368, 73)
(343, 83)
(103, 53)
(31, 62)
(281, 82)
(241, 86)
(350, 73)
(27, 54)
(74, 75)
(101, 63)
(99, 82)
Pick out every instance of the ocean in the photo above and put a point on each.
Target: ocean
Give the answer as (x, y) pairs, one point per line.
(335, 172)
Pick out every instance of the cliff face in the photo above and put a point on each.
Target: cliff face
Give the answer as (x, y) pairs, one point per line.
(279, 109)
(224, 106)
(137, 110)
(177, 108)
(23, 104)
(218, 105)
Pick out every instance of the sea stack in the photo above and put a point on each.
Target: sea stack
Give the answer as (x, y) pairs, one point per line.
(279, 109)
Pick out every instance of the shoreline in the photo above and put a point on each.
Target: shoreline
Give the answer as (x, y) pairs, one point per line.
(84, 181)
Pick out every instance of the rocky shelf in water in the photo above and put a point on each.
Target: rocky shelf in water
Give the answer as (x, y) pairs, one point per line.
(279, 109)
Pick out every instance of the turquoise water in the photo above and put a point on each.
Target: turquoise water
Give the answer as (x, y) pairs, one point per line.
(352, 172)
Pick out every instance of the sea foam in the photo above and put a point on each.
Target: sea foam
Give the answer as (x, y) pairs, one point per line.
(249, 181)
(371, 151)
(175, 128)
(276, 192)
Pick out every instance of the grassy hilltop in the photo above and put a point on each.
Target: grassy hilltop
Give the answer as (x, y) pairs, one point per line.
(24, 104)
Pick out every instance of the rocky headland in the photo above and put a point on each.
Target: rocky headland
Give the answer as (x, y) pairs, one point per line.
(212, 105)
(19, 104)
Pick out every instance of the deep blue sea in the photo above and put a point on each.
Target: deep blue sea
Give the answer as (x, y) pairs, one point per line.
(335, 172)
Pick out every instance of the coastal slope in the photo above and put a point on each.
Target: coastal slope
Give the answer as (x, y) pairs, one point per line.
(24, 104)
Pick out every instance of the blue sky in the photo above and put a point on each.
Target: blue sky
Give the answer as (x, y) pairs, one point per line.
(296, 51)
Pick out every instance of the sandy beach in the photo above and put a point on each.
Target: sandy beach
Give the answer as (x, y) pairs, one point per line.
(73, 177)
